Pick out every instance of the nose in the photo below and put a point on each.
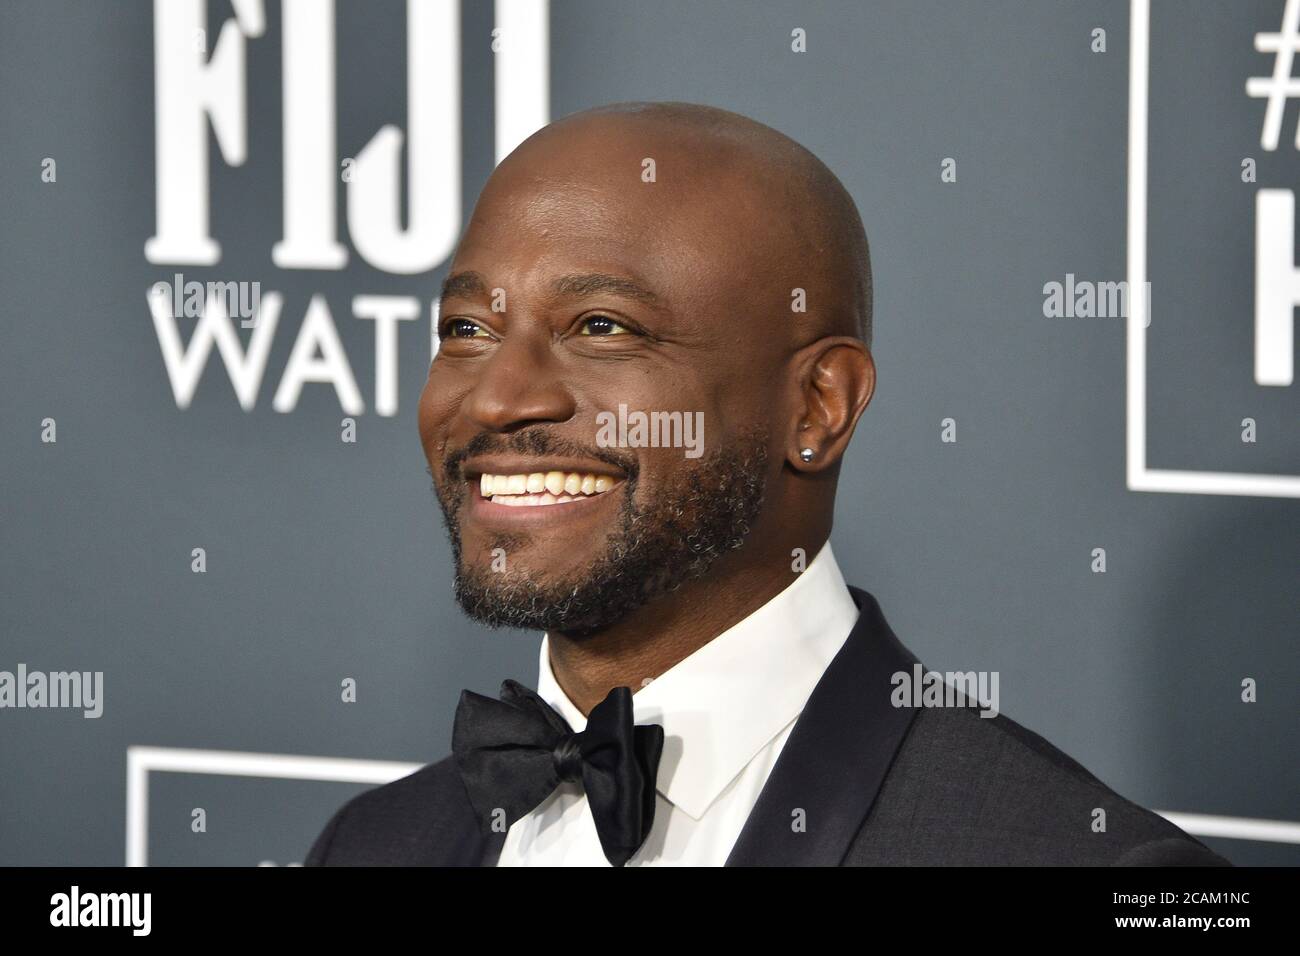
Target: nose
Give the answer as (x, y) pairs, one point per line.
(519, 386)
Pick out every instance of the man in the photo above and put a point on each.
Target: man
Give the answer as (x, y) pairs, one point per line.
(710, 690)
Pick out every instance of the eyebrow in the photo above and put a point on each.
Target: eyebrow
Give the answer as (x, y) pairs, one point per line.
(468, 284)
(463, 285)
(595, 282)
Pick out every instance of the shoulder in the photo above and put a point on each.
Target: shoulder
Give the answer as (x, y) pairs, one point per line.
(424, 818)
(973, 790)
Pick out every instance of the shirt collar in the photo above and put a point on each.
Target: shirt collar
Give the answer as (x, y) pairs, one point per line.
(721, 705)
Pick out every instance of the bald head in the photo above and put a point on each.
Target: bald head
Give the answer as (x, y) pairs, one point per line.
(675, 262)
(765, 195)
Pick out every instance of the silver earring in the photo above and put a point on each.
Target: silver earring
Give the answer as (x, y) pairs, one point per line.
(806, 454)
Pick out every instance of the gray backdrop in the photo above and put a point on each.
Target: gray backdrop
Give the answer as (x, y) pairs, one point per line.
(327, 560)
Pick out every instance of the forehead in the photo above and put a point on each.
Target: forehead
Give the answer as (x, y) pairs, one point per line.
(582, 204)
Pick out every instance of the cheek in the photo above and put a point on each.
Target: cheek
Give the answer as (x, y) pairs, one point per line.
(433, 416)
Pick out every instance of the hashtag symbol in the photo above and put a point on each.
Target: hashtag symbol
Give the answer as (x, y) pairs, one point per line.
(1281, 85)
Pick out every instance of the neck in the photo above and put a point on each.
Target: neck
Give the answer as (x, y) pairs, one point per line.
(658, 635)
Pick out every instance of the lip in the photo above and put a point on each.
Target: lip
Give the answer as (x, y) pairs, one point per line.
(522, 465)
(487, 512)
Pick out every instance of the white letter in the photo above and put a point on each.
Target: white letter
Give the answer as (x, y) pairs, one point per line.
(387, 311)
(318, 332)
(523, 72)
(185, 365)
(310, 189)
(1277, 287)
(433, 153)
(187, 93)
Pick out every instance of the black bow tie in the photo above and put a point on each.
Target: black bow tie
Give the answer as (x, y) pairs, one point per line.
(513, 752)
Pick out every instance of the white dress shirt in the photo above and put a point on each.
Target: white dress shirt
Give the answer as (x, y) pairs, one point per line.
(726, 710)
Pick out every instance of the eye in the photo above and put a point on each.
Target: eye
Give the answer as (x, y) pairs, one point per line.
(463, 329)
(602, 325)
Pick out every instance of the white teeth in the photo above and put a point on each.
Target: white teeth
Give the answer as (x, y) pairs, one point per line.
(526, 501)
(542, 488)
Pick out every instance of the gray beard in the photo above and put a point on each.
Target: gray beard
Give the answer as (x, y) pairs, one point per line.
(659, 545)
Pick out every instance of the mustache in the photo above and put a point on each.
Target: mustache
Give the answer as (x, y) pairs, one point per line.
(538, 441)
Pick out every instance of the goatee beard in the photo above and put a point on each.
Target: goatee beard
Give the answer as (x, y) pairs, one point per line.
(660, 543)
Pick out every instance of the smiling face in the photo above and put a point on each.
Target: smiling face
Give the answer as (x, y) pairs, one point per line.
(578, 288)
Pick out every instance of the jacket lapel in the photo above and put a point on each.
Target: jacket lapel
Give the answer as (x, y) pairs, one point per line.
(490, 849)
(837, 755)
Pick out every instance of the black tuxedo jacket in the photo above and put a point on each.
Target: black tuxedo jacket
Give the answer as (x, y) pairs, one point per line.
(877, 784)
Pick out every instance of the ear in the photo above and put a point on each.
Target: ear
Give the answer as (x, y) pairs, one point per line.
(837, 378)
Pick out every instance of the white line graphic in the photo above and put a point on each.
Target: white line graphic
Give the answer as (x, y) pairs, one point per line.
(141, 760)
(1140, 477)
